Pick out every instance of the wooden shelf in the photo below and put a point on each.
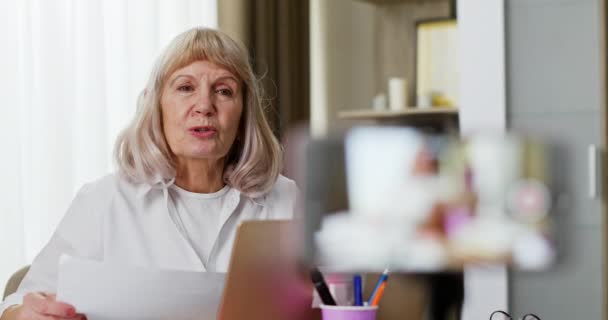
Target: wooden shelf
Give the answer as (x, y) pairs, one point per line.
(407, 113)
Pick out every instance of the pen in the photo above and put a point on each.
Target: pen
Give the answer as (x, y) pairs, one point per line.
(379, 289)
(378, 294)
(358, 292)
(321, 286)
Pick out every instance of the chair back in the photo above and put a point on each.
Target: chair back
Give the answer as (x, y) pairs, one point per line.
(14, 281)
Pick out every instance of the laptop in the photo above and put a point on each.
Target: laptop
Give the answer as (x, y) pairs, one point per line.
(265, 279)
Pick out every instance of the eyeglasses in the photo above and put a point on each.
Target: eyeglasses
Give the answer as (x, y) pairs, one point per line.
(528, 316)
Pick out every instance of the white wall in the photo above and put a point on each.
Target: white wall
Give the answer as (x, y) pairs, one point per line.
(482, 53)
(483, 108)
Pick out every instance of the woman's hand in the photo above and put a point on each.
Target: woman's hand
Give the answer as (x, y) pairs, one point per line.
(41, 306)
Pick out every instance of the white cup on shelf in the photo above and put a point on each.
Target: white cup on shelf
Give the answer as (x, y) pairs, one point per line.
(397, 93)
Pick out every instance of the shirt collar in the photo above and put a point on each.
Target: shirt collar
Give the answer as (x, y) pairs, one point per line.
(160, 183)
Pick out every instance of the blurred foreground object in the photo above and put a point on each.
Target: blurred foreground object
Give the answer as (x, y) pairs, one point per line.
(422, 203)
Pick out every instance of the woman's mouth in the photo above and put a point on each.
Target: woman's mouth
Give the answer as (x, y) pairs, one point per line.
(203, 131)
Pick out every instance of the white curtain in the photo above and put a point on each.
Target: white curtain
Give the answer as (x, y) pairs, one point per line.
(70, 71)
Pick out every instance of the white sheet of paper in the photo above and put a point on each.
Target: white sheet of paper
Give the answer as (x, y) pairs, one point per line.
(110, 291)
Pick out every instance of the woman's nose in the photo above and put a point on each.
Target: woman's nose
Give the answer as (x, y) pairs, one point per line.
(204, 104)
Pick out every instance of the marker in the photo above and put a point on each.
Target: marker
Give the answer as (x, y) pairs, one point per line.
(321, 286)
(379, 289)
(358, 291)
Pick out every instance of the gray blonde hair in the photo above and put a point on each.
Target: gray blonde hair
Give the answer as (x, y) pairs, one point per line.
(254, 161)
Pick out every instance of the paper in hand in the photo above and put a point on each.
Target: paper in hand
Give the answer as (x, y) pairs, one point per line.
(110, 291)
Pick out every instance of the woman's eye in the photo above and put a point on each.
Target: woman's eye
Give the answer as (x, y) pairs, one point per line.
(225, 92)
(185, 88)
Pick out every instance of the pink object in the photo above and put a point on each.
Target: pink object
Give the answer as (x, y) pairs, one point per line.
(349, 312)
(455, 219)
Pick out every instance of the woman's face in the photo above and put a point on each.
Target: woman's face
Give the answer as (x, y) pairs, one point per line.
(201, 106)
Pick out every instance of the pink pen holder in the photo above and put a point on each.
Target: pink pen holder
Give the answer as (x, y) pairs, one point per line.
(349, 312)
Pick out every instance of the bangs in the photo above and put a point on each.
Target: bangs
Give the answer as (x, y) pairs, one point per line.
(200, 44)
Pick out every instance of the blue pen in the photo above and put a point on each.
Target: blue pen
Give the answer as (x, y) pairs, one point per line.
(382, 279)
(358, 291)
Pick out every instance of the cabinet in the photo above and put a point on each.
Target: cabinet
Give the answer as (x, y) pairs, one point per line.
(557, 89)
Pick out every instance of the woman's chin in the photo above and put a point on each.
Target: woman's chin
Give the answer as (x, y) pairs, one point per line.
(205, 155)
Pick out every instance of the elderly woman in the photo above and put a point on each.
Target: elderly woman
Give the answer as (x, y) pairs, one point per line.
(198, 158)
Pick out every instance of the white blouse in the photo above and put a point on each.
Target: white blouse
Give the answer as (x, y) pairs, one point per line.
(200, 213)
(114, 220)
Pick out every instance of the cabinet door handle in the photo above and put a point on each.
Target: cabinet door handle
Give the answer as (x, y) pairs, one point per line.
(595, 168)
